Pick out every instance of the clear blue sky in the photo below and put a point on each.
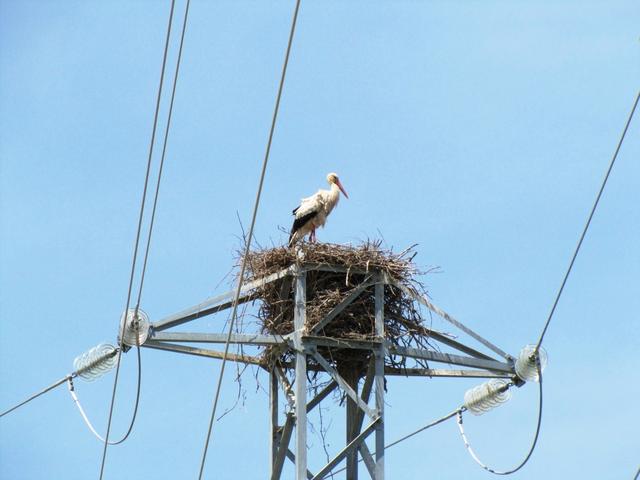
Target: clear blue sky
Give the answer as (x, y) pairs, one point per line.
(479, 129)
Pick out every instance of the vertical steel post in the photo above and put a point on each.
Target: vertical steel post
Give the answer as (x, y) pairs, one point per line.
(275, 429)
(299, 321)
(353, 429)
(379, 379)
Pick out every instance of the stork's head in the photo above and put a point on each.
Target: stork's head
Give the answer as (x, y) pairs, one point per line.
(333, 178)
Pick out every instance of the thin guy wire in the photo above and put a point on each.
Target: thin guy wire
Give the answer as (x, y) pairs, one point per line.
(135, 250)
(36, 395)
(406, 437)
(586, 227)
(164, 150)
(249, 237)
(637, 475)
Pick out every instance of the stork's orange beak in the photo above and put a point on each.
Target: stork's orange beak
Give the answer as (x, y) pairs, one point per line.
(341, 188)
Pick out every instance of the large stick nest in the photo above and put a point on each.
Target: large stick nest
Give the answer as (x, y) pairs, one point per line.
(325, 289)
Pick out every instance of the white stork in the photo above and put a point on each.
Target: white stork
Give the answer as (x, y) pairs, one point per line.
(314, 210)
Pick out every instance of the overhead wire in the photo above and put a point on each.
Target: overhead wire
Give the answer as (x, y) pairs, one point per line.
(137, 241)
(249, 237)
(164, 151)
(135, 406)
(535, 353)
(86, 367)
(76, 401)
(38, 394)
(586, 227)
(458, 412)
(409, 435)
(533, 443)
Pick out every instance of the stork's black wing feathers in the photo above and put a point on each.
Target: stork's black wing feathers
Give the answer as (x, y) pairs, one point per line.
(299, 222)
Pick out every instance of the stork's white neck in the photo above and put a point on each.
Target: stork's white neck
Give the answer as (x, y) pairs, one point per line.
(333, 197)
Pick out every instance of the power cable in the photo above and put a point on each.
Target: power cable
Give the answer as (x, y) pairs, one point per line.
(146, 255)
(458, 413)
(427, 426)
(535, 353)
(249, 237)
(86, 367)
(135, 407)
(137, 241)
(41, 392)
(586, 227)
(415, 432)
(164, 150)
(533, 444)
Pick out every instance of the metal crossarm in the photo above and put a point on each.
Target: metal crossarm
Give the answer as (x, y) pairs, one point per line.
(201, 352)
(441, 372)
(450, 358)
(218, 303)
(437, 310)
(245, 339)
(447, 340)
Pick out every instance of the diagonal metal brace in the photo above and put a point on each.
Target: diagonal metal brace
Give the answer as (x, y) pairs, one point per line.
(355, 293)
(491, 365)
(292, 456)
(286, 387)
(344, 385)
(313, 403)
(355, 443)
(213, 304)
(283, 446)
(368, 459)
(366, 391)
(202, 352)
(438, 311)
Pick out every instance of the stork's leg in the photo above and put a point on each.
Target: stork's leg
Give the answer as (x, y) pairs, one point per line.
(312, 236)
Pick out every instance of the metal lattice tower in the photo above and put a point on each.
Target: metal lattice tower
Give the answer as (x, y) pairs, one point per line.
(364, 406)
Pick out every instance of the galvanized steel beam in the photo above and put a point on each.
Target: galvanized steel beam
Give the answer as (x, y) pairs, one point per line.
(343, 384)
(355, 443)
(215, 304)
(355, 293)
(201, 352)
(245, 339)
(299, 322)
(379, 354)
(437, 372)
(437, 310)
(450, 358)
